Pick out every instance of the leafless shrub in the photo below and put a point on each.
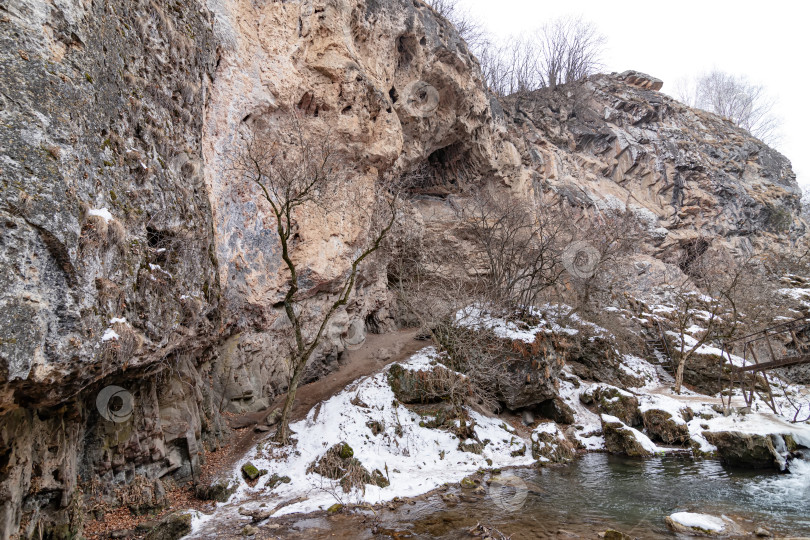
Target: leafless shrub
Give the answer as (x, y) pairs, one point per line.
(469, 28)
(520, 247)
(614, 234)
(720, 297)
(94, 232)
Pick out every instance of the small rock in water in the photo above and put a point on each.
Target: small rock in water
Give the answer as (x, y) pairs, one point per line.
(763, 533)
(611, 534)
(702, 524)
(468, 482)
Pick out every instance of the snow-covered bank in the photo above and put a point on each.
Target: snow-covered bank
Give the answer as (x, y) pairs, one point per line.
(384, 436)
(404, 451)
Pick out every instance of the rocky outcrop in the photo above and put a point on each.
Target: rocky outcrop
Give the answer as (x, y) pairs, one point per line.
(557, 410)
(615, 142)
(132, 257)
(549, 444)
(662, 426)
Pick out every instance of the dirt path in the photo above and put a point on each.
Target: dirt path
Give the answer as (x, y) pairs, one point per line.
(376, 352)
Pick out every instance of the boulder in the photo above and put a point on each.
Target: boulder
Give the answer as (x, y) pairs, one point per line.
(612, 534)
(748, 450)
(614, 402)
(250, 472)
(219, 491)
(549, 443)
(695, 524)
(641, 80)
(171, 527)
(624, 440)
(662, 426)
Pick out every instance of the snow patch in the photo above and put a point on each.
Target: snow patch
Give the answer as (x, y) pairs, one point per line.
(100, 212)
(110, 334)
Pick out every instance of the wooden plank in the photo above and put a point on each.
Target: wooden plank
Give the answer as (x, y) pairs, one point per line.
(784, 362)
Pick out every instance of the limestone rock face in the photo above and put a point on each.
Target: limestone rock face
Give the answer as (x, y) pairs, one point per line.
(614, 141)
(130, 255)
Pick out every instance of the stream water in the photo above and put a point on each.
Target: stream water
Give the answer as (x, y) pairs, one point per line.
(596, 492)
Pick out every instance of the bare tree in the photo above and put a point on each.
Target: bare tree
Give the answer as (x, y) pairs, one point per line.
(600, 244)
(292, 174)
(562, 51)
(732, 96)
(715, 302)
(570, 50)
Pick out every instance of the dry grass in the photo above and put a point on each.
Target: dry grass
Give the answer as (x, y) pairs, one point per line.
(116, 233)
(94, 232)
(120, 351)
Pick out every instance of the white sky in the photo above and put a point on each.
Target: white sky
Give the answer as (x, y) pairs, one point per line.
(767, 41)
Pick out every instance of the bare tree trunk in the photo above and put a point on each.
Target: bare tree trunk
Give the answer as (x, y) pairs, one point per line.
(282, 433)
(679, 374)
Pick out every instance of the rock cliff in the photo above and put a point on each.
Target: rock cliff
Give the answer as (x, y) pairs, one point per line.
(131, 255)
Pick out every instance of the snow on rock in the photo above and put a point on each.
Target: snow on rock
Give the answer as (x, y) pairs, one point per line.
(100, 212)
(587, 430)
(697, 522)
(800, 294)
(674, 407)
(547, 316)
(626, 431)
(414, 458)
(477, 318)
(756, 424)
(109, 335)
(550, 444)
(641, 369)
